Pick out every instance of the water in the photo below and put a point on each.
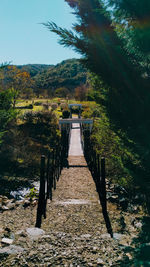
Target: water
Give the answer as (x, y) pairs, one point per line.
(21, 193)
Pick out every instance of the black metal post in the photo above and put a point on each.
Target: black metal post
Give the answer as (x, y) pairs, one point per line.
(41, 202)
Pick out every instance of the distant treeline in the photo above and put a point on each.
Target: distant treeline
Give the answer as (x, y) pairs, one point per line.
(60, 79)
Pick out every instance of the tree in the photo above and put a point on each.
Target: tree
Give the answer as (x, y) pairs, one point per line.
(136, 15)
(81, 92)
(6, 112)
(16, 80)
(132, 23)
(62, 92)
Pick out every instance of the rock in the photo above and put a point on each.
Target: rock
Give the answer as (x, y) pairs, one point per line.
(26, 203)
(100, 261)
(117, 236)
(34, 203)
(119, 190)
(123, 243)
(4, 208)
(19, 202)
(11, 250)
(1, 230)
(11, 206)
(7, 229)
(7, 241)
(5, 201)
(35, 232)
(138, 225)
(123, 203)
(95, 249)
(86, 236)
(105, 236)
(21, 233)
(133, 209)
(129, 256)
(112, 198)
(8, 234)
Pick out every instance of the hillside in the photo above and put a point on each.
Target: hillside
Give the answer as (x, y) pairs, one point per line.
(34, 69)
(68, 74)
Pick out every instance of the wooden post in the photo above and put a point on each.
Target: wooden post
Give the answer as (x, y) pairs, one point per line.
(103, 182)
(57, 162)
(47, 176)
(51, 177)
(95, 167)
(41, 202)
(103, 198)
(54, 170)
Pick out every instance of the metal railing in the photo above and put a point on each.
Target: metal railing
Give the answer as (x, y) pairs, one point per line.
(96, 165)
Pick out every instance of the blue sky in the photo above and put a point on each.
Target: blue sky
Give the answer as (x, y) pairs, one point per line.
(24, 40)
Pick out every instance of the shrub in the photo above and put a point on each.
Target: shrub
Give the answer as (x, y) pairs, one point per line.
(38, 104)
(63, 106)
(46, 106)
(24, 143)
(54, 106)
(30, 106)
(65, 114)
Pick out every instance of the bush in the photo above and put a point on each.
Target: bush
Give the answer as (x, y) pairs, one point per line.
(24, 143)
(38, 104)
(54, 106)
(75, 110)
(30, 106)
(65, 114)
(63, 106)
(46, 106)
(109, 145)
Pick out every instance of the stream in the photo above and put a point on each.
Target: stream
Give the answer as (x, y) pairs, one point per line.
(22, 192)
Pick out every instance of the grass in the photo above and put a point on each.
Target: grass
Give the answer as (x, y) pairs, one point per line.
(37, 108)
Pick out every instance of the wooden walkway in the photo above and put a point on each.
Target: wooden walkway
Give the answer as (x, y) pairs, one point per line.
(75, 148)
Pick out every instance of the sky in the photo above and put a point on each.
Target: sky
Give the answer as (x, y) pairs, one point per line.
(23, 40)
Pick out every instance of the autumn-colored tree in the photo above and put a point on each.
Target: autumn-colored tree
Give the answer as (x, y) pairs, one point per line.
(16, 80)
(81, 92)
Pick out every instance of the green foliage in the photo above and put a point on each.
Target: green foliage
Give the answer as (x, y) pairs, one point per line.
(109, 145)
(46, 80)
(33, 193)
(135, 15)
(66, 75)
(34, 69)
(5, 100)
(62, 92)
(23, 144)
(81, 92)
(6, 112)
(65, 114)
(37, 103)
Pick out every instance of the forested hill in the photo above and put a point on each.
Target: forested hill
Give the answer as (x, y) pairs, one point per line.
(68, 74)
(34, 69)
